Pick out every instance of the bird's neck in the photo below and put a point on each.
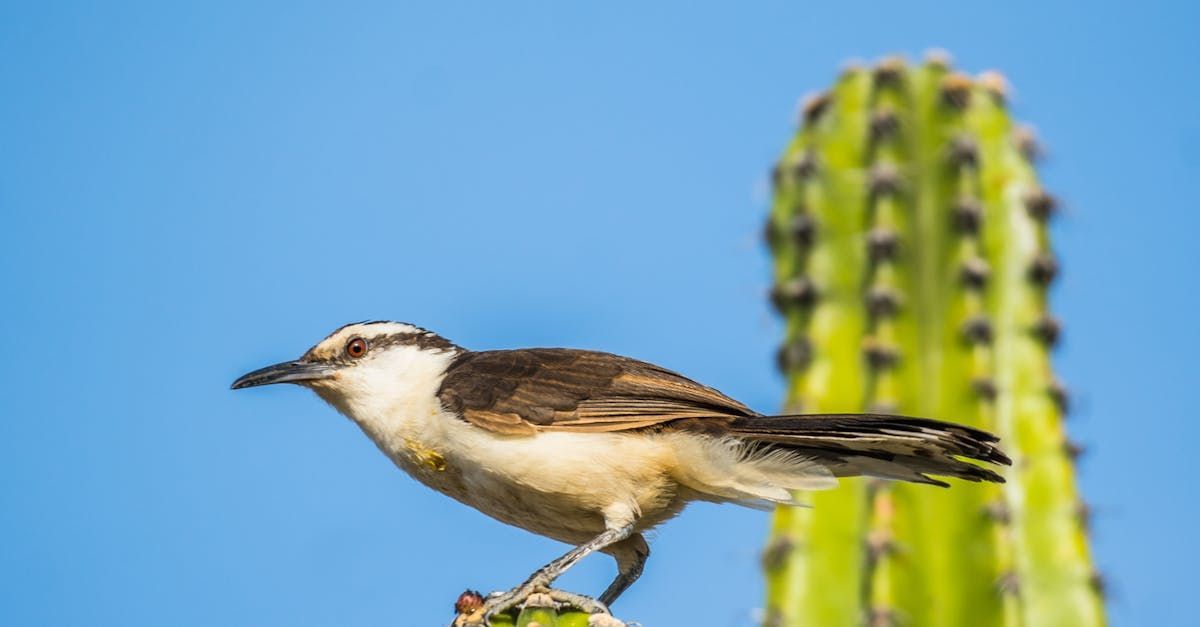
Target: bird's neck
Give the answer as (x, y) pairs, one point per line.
(394, 398)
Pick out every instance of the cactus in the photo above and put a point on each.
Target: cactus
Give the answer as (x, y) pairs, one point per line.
(544, 617)
(911, 264)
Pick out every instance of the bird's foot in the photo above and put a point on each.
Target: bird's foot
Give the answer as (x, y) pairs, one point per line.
(537, 594)
(583, 603)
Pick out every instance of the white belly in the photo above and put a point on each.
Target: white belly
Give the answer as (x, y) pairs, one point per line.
(556, 484)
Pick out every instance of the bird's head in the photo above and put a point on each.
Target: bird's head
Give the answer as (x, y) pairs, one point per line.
(361, 363)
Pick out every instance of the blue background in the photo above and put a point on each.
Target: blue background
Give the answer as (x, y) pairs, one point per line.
(191, 192)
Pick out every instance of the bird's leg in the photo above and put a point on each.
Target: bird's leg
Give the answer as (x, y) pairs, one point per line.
(631, 554)
(548, 573)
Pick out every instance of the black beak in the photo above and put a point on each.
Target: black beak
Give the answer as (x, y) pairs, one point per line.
(286, 372)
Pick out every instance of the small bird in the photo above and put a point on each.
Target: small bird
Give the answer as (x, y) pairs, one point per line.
(593, 449)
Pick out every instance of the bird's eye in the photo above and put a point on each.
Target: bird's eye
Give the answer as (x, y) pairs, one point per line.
(356, 347)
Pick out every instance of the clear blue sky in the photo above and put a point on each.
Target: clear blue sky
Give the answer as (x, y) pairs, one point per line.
(188, 193)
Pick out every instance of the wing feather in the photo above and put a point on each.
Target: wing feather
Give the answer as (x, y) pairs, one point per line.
(519, 392)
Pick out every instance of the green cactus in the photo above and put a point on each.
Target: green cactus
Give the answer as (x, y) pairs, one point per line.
(911, 263)
(544, 617)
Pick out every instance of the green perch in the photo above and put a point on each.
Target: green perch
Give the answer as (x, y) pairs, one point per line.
(538, 612)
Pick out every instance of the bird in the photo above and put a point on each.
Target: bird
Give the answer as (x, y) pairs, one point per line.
(595, 449)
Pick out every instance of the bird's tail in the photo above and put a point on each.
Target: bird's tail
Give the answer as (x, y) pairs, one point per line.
(877, 445)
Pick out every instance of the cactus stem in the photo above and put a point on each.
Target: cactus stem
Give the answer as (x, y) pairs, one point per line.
(931, 260)
(832, 329)
(1049, 553)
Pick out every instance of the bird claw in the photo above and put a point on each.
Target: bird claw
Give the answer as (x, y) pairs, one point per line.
(584, 603)
(534, 594)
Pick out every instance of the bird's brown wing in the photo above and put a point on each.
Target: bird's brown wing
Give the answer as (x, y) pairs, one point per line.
(521, 392)
(555, 389)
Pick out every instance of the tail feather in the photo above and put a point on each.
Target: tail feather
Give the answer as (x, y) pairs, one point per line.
(879, 445)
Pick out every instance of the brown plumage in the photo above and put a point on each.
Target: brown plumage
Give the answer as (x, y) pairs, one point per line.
(521, 392)
(559, 389)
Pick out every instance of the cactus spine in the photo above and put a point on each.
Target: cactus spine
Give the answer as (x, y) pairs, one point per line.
(911, 262)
